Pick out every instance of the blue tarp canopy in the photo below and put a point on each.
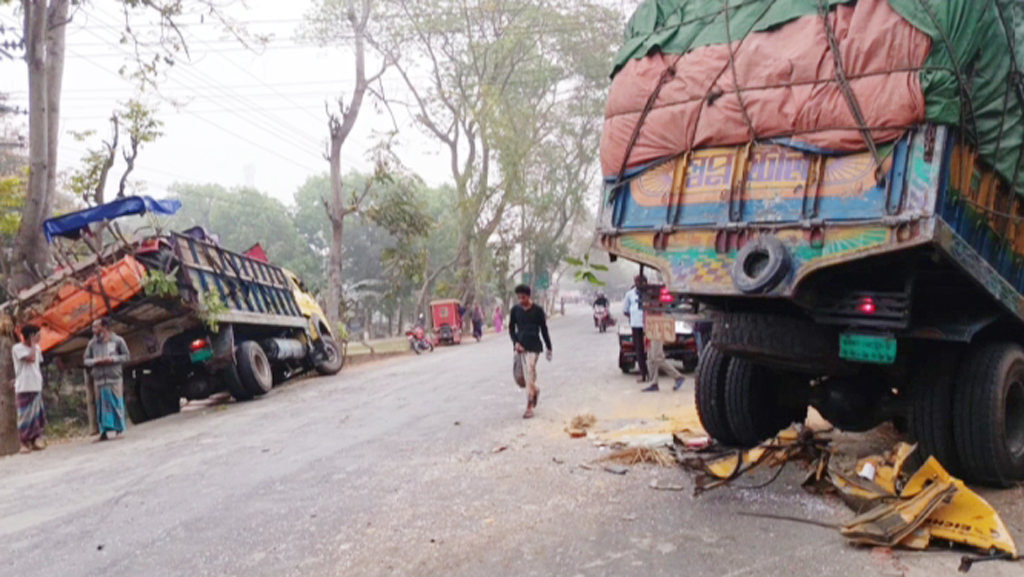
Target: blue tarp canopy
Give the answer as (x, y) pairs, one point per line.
(71, 225)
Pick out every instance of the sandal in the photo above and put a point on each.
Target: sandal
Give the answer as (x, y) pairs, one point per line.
(529, 413)
(25, 449)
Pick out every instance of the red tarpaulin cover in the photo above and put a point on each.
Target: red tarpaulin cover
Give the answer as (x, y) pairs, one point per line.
(256, 252)
(776, 71)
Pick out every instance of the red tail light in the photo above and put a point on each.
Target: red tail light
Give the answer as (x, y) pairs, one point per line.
(665, 296)
(198, 345)
(866, 306)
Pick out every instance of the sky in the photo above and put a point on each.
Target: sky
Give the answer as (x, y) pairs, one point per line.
(250, 119)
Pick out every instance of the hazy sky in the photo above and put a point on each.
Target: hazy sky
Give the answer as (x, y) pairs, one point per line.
(250, 117)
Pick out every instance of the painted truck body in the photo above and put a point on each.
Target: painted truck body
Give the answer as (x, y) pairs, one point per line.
(198, 319)
(871, 294)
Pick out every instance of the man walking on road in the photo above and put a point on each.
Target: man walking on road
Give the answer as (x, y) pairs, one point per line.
(633, 309)
(28, 389)
(105, 354)
(527, 325)
(659, 363)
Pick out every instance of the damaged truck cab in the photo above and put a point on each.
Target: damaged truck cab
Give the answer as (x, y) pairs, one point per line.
(870, 293)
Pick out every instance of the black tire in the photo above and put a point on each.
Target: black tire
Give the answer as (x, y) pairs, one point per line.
(334, 360)
(254, 368)
(761, 265)
(786, 342)
(626, 368)
(930, 419)
(753, 397)
(988, 414)
(133, 401)
(158, 398)
(233, 383)
(709, 394)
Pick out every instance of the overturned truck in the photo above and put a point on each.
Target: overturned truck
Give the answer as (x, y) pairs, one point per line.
(839, 183)
(198, 319)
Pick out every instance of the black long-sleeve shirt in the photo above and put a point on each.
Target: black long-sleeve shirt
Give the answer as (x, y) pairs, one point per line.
(527, 326)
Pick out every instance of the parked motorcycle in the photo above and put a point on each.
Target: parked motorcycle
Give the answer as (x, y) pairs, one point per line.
(602, 320)
(418, 341)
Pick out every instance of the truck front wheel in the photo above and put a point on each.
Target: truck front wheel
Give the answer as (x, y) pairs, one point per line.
(755, 403)
(709, 393)
(332, 360)
(988, 413)
(254, 368)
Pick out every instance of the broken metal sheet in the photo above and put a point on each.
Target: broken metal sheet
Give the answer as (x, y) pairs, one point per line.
(888, 525)
(967, 519)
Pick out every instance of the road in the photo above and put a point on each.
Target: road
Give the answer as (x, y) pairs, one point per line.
(414, 466)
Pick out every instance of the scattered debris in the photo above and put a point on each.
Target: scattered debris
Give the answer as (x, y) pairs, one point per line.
(616, 469)
(629, 517)
(500, 449)
(638, 455)
(586, 467)
(658, 487)
(579, 424)
(557, 460)
(894, 509)
(457, 423)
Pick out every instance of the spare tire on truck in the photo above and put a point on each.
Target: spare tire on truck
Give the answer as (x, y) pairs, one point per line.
(332, 360)
(254, 368)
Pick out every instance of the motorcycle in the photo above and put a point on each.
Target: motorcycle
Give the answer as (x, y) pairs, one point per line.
(418, 341)
(602, 320)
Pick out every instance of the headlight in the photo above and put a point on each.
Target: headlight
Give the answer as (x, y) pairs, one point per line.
(684, 328)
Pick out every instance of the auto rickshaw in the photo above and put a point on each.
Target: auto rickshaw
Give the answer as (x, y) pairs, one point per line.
(447, 321)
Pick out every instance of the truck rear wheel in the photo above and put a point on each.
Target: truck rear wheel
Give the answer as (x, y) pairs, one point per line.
(333, 359)
(988, 413)
(709, 393)
(254, 368)
(754, 403)
(233, 383)
(158, 397)
(931, 408)
(132, 399)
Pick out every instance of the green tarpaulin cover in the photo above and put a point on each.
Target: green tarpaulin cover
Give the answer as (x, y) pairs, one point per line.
(979, 43)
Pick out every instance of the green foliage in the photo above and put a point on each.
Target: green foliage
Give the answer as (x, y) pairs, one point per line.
(210, 308)
(12, 198)
(160, 283)
(241, 217)
(585, 270)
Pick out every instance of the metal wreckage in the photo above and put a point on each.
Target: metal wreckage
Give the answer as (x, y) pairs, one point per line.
(895, 505)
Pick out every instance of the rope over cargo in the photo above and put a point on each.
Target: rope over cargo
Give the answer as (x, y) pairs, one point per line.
(894, 64)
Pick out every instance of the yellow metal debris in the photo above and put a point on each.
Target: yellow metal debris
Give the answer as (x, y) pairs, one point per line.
(967, 518)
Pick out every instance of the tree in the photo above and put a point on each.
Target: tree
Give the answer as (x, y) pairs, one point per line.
(139, 125)
(332, 20)
(498, 71)
(43, 38)
(243, 216)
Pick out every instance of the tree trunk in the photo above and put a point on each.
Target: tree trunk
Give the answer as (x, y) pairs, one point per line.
(57, 24)
(9, 443)
(30, 251)
(334, 267)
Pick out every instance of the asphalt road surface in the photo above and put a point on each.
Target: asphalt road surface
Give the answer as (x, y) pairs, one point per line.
(417, 466)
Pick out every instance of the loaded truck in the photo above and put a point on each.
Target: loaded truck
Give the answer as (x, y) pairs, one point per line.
(198, 318)
(839, 184)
